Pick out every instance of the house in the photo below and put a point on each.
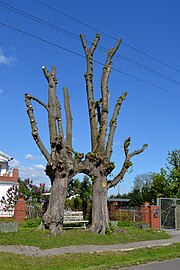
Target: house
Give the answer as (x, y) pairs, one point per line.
(8, 177)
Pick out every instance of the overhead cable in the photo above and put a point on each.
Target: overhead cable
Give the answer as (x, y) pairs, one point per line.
(82, 56)
(105, 34)
(72, 35)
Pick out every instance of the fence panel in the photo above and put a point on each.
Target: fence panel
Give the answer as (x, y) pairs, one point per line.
(33, 211)
(6, 213)
(133, 215)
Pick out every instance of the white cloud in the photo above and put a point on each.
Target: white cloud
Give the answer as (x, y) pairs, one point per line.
(32, 157)
(29, 157)
(14, 163)
(34, 172)
(6, 60)
(39, 166)
(1, 91)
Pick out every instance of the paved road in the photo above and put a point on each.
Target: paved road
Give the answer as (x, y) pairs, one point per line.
(166, 265)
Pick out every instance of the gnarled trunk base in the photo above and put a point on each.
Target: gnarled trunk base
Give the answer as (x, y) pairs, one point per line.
(54, 216)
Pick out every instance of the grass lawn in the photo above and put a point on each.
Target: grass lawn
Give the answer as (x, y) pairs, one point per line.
(95, 261)
(42, 239)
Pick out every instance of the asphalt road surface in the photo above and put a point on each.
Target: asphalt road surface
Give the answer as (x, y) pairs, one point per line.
(166, 265)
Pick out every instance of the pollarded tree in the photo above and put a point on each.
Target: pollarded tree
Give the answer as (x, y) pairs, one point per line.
(102, 137)
(62, 161)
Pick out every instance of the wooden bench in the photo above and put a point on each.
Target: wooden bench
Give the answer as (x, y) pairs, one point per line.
(76, 218)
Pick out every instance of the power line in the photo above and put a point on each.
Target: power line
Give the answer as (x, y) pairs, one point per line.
(107, 35)
(82, 56)
(72, 35)
(157, 73)
(41, 39)
(152, 57)
(36, 19)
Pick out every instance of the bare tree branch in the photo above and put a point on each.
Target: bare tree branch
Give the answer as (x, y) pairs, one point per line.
(127, 162)
(34, 128)
(93, 46)
(39, 101)
(52, 103)
(127, 143)
(105, 97)
(137, 152)
(68, 119)
(47, 74)
(113, 124)
(89, 88)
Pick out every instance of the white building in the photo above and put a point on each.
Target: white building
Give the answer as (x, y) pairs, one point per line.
(8, 178)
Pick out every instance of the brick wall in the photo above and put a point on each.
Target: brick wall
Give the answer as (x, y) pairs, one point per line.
(8, 178)
(20, 210)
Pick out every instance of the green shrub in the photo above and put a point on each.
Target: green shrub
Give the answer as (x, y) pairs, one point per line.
(6, 219)
(31, 223)
(125, 223)
(110, 229)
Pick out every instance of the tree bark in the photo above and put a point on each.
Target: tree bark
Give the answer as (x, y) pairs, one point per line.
(101, 146)
(100, 215)
(54, 216)
(90, 88)
(60, 161)
(105, 98)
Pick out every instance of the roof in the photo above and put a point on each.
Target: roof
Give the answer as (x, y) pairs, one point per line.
(117, 200)
(4, 157)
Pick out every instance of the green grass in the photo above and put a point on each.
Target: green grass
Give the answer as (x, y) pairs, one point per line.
(42, 239)
(95, 261)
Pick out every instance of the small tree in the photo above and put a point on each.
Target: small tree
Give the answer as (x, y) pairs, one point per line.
(167, 182)
(142, 189)
(79, 194)
(173, 171)
(73, 188)
(160, 186)
(33, 194)
(86, 196)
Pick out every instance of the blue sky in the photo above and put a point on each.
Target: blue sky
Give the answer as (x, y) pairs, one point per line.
(150, 114)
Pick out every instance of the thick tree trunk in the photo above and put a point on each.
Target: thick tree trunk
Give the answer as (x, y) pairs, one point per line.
(54, 216)
(100, 215)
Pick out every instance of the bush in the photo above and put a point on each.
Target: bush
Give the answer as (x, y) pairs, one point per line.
(125, 223)
(27, 190)
(111, 228)
(2, 219)
(31, 223)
